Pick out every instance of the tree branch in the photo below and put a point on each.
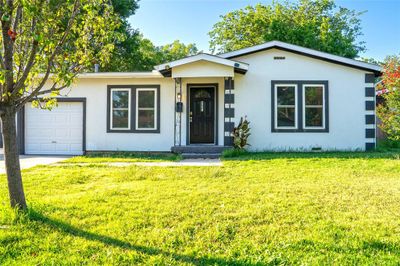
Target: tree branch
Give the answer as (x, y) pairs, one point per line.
(53, 55)
(17, 17)
(8, 51)
(2, 62)
(29, 65)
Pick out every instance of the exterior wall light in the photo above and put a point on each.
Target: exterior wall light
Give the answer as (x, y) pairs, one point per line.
(179, 104)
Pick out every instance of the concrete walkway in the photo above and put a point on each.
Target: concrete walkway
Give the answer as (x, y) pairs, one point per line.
(28, 161)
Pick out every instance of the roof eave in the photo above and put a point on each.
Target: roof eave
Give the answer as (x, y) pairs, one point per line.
(202, 57)
(377, 70)
(122, 75)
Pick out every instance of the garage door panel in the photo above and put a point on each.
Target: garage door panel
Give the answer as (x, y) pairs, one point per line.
(34, 147)
(76, 147)
(75, 133)
(62, 134)
(33, 121)
(56, 131)
(47, 148)
(77, 117)
(61, 147)
(60, 119)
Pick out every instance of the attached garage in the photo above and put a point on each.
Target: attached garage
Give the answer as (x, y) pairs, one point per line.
(59, 131)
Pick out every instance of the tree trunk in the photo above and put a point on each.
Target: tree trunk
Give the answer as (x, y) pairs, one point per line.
(11, 155)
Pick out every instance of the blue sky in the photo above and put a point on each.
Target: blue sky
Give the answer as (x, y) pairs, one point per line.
(163, 21)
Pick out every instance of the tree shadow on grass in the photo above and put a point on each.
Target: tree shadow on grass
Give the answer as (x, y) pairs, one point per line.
(109, 241)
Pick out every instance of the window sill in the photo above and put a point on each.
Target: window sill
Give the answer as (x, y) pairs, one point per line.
(308, 130)
(134, 131)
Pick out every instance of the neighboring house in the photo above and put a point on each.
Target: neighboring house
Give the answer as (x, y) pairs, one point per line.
(295, 98)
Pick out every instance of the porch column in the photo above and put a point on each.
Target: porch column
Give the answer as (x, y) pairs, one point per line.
(178, 113)
(229, 111)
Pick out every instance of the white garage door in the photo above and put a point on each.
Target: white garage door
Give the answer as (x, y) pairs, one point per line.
(58, 131)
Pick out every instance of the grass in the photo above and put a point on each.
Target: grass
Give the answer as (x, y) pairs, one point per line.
(257, 209)
(102, 157)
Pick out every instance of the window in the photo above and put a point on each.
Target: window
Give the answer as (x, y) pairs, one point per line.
(120, 109)
(285, 102)
(133, 109)
(146, 111)
(313, 104)
(299, 106)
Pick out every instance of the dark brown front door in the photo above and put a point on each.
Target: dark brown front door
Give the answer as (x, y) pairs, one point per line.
(202, 114)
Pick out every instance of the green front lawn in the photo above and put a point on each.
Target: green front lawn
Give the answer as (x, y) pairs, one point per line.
(328, 208)
(107, 157)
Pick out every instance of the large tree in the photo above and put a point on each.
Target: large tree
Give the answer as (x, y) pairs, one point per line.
(175, 51)
(133, 52)
(389, 111)
(136, 53)
(44, 45)
(316, 24)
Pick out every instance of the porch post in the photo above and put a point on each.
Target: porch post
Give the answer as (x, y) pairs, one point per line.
(229, 111)
(178, 114)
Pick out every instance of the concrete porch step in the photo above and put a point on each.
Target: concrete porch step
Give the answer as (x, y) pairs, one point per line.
(199, 149)
(201, 155)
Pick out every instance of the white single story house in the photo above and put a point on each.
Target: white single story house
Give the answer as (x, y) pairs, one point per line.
(296, 99)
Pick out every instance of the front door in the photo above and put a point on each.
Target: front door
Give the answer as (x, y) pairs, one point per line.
(202, 114)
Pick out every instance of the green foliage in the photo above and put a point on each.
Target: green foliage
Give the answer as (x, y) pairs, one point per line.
(270, 209)
(389, 111)
(125, 8)
(241, 133)
(49, 43)
(316, 24)
(175, 51)
(388, 145)
(44, 45)
(233, 153)
(136, 53)
(371, 61)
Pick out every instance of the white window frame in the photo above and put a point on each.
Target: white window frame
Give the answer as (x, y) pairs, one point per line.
(313, 106)
(295, 106)
(112, 109)
(146, 108)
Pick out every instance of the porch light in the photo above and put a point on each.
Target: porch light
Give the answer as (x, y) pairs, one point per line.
(179, 104)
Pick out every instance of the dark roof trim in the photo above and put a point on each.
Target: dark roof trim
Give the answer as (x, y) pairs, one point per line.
(167, 73)
(240, 71)
(377, 73)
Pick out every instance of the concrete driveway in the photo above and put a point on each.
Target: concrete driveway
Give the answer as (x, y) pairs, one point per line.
(27, 161)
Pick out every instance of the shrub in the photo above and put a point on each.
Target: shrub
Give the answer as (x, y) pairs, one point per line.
(389, 111)
(241, 133)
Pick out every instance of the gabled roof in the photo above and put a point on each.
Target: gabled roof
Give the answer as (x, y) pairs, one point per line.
(306, 52)
(239, 67)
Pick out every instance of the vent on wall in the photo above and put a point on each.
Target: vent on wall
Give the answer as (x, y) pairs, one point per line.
(279, 58)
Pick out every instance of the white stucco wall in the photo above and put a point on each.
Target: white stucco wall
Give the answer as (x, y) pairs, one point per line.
(346, 101)
(97, 138)
(252, 98)
(202, 69)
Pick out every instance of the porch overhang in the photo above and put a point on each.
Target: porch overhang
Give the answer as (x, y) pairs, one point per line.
(202, 65)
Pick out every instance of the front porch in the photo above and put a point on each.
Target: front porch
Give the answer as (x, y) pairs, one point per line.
(204, 103)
